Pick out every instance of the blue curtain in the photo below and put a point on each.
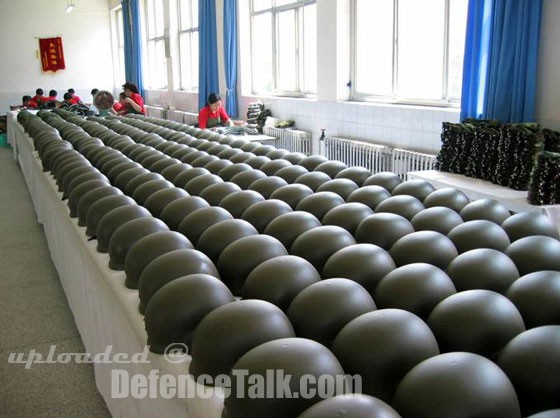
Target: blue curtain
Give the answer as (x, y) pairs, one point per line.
(208, 51)
(132, 43)
(500, 67)
(230, 53)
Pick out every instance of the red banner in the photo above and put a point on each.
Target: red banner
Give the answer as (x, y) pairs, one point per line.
(52, 55)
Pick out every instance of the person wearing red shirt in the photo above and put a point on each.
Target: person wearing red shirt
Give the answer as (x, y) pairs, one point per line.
(120, 107)
(67, 102)
(75, 98)
(51, 101)
(38, 99)
(134, 101)
(213, 114)
(26, 103)
(52, 96)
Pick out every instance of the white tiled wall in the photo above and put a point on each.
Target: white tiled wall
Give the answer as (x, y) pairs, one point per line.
(411, 127)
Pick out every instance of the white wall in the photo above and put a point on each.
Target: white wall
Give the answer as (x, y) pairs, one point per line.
(86, 39)
(547, 111)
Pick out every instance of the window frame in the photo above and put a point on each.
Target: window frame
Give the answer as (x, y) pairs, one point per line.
(154, 41)
(119, 72)
(299, 7)
(445, 101)
(188, 34)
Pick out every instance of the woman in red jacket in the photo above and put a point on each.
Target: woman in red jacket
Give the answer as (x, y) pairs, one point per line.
(38, 100)
(75, 98)
(119, 107)
(213, 114)
(134, 101)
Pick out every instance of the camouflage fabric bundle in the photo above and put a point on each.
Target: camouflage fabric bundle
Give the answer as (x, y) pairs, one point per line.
(551, 140)
(544, 187)
(456, 141)
(483, 155)
(486, 149)
(517, 148)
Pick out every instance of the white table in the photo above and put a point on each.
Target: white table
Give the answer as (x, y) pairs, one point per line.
(265, 139)
(105, 311)
(514, 200)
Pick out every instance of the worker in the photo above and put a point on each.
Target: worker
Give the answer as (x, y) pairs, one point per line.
(39, 99)
(67, 102)
(51, 101)
(134, 101)
(26, 103)
(119, 107)
(213, 114)
(75, 98)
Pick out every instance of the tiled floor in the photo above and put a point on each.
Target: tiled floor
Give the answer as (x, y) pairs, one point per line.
(34, 315)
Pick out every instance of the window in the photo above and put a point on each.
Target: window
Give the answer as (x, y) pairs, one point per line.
(157, 64)
(283, 47)
(409, 50)
(188, 44)
(118, 40)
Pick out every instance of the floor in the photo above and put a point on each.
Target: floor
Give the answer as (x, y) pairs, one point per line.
(34, 315)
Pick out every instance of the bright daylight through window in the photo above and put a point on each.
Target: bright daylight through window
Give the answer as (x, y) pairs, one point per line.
(409, 50)
(286, 29)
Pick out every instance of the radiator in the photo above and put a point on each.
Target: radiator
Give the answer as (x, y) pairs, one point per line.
(404, 161)
(290, 139)
(377, 157)
(156, 112)
(183, 116)
(374, 157)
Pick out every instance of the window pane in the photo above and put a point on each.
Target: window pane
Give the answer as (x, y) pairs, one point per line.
(194, 13)
(194, 60)
(157, 63)
(121, 73)
(151, 65)
(150, 17)
(119, 70)
(457, 32)
(374, 47)
(188, 45)
(185, 14)
(310, 48)
(184, 60)
(262, 53)
(120, 30)
(279, 3)
(286, 52)
(162, 73)
(259, 5)
(421, 49)
(158, 9)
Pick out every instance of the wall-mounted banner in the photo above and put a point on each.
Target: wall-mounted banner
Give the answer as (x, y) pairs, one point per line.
(52, 55)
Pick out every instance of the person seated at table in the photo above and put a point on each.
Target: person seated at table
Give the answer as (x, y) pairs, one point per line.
(26, 103)
(134, 101)
(38, 99)
(51, 101)
(119, 107)
(75, 98)
(92, 109)
(67, 102)
(213, 114)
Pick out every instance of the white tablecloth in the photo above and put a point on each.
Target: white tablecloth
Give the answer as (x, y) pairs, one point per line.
(105, 311)
(514, 200)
